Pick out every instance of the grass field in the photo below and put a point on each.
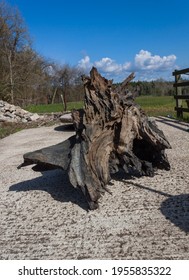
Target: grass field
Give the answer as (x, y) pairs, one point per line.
(152, 105)
(49, 108)
(157, 105)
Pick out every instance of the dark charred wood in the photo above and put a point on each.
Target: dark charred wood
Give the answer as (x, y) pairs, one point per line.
(56, 156)
(112, 133)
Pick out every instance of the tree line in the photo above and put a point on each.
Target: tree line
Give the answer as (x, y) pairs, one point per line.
(26, 77)
(158, 87)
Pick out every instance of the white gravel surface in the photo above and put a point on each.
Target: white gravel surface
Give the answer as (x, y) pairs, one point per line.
(43, 217)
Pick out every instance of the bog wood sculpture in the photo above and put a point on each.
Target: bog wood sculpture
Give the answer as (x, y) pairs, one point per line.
(112, 133)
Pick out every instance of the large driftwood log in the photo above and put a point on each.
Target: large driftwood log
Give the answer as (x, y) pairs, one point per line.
(112, 133)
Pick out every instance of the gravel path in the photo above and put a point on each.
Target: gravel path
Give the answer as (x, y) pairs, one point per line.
(43, 217)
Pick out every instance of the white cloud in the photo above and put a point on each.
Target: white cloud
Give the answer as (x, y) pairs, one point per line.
(145, 65)
(106, 64)
(144, 60)
(85, 63)
(126, 66)
(110, 66)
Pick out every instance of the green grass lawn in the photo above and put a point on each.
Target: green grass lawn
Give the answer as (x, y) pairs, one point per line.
(157, 105)
(152, 105)
(49, 108)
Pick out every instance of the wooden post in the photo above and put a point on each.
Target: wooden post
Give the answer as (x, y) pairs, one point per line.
(178, 92)
(63, 105)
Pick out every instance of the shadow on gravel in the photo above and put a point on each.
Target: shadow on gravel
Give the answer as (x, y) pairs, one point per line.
(65, 127)
(174, 123)
(56, 183)
(175, 208)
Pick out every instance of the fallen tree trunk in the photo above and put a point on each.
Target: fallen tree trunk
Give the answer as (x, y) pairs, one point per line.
(112, 133)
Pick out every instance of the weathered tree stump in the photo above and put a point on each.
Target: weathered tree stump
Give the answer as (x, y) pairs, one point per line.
(112, 133)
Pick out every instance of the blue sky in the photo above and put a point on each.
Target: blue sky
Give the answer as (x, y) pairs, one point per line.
(150, 38)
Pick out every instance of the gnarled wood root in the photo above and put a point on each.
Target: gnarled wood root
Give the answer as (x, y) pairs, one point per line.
(112, 133)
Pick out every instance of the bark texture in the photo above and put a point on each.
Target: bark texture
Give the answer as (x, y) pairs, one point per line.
(112, 133)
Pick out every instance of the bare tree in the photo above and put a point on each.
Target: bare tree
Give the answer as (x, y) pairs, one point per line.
(33, 82)
(24, 76)
(13, 40)
(65, 79)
